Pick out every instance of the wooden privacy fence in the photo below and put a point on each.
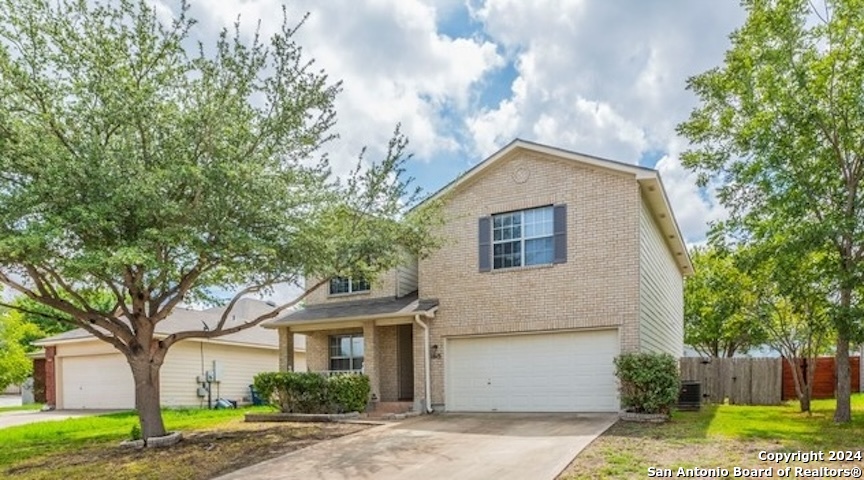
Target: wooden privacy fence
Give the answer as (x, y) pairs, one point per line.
(824, 380)
(744, 381)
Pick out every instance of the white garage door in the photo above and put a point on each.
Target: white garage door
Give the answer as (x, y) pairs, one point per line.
(97, 381)
(560, 372)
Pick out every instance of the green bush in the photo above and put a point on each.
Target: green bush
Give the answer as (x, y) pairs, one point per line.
(348, 393)
(308, 392)
(649, 381)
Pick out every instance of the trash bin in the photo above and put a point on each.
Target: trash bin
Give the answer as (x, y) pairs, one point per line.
(256, 399)
(690, 396)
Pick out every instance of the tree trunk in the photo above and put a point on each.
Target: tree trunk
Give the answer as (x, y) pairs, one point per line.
(843, 412)
(147, 401)
(799, 379)
(843, 390)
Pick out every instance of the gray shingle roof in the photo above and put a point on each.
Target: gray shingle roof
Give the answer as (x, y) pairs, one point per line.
(377, 307)
(188, 319)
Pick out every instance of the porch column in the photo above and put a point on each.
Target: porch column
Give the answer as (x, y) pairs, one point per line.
(286, 350)
(370, 358)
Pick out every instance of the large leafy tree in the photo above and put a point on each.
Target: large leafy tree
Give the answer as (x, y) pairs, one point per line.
(718, 303)
(134, 165)
(781, 127)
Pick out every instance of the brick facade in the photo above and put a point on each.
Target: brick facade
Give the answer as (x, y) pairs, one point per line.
(598, 286)
(286, 350)
(50, 376)
(388, 366)
(382, 287)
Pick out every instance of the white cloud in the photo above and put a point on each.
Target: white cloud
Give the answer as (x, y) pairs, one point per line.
(395, 66)
(606, 78)
(694, 209)
(603, 78)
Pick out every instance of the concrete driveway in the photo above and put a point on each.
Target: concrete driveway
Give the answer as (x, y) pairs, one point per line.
(11, 419)
(465, 446)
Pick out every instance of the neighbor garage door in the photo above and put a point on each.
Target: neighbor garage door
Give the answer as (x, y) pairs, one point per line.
(97, 381)
(560, 372)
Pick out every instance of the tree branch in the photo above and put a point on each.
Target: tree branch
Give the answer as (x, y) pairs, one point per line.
(219, 331)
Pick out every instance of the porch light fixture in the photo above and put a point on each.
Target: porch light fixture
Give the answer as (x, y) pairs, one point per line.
(435, 352)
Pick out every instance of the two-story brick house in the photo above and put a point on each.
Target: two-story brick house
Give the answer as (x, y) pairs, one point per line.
(554, 263)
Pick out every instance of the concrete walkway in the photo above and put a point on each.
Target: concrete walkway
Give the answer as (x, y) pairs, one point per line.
(464, 446)
(11, 419)
(10, 401)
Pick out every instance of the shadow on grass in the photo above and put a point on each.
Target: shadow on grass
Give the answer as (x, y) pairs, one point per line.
(682, 426)
(783, 423)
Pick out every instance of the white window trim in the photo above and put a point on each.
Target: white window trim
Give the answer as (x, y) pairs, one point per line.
(522, 238)
(350, 357)
(351, 290)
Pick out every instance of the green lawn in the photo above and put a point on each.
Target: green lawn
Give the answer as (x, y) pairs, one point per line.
(215, 442)
(720, 436)
(37, 439)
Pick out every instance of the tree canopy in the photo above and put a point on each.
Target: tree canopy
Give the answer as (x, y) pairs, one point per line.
(718, 306)
(132, 164)
(780, 127)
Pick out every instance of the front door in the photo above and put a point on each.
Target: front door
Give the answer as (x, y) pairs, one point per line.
(405, 360)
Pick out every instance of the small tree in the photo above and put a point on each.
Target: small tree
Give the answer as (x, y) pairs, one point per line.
(717, 303)
(793, 308)
(649, 382)
(15, 335)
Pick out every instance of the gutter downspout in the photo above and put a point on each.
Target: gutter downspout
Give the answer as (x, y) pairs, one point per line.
(426, 361)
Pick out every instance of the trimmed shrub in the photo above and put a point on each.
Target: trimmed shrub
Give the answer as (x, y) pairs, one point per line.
(309, 392)
(348, 393)
(649, 381)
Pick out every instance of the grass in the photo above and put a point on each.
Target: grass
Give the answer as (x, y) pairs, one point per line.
(21, 408)
(720, 436)
(215, 442)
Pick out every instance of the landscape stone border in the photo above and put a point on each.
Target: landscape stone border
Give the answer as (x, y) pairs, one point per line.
(169, 440)
(644, 417)
(301, 417)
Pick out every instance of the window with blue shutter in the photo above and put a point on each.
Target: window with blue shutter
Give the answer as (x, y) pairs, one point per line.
(484, 253)
(536, 236)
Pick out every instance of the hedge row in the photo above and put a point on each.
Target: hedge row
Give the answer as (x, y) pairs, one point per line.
(307, 392)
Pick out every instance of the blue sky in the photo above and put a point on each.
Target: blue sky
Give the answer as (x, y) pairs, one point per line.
(466, 77)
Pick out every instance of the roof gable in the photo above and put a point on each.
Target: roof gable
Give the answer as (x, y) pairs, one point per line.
(654, 194)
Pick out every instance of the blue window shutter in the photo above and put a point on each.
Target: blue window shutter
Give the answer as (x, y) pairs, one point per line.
(484, 250)
(559, 217)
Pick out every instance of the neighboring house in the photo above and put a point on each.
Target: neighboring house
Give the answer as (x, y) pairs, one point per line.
(553, 263)
(83, 372)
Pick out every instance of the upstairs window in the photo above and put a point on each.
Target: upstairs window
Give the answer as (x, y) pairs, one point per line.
(348, 285)
(522, 238)
(535, 236)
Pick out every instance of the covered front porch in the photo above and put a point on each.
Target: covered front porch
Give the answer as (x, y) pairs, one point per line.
(385, 339)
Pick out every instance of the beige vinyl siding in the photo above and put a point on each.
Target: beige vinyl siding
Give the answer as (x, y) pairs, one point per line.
(238, 364)
(406, 277)
(183, 363)
(90, 346)
(661, 297)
